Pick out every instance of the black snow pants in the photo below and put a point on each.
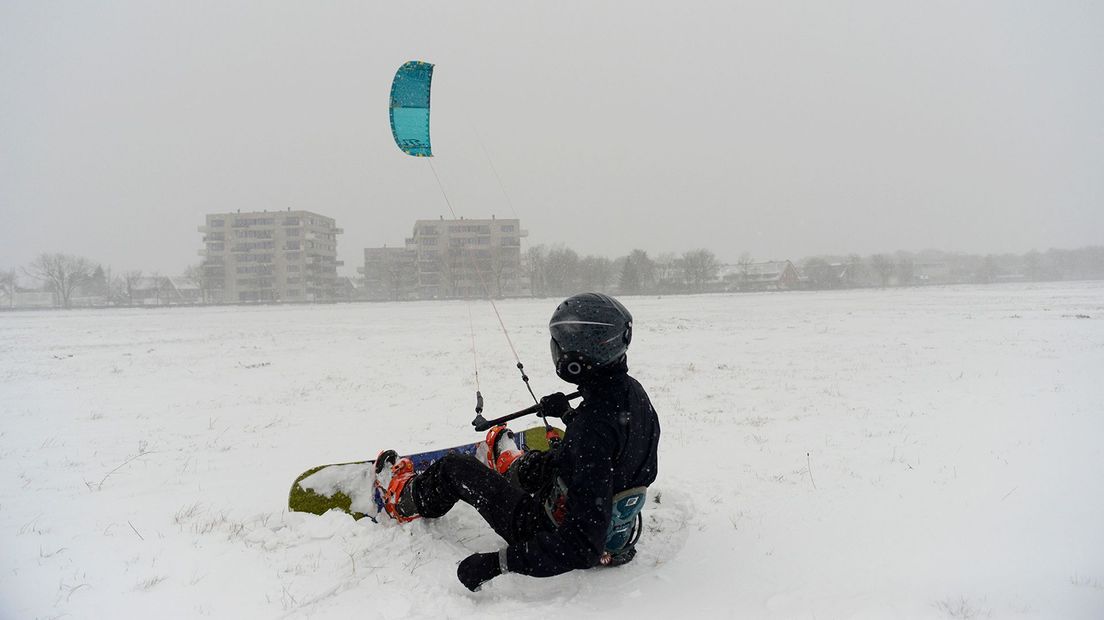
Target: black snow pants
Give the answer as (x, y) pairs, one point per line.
(512, 513)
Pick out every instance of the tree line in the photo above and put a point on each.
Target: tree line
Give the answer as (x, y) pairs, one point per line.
(559, 270)
(70, 278)
(937, 267)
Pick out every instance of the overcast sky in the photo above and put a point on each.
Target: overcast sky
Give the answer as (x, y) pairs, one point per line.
(780, 129)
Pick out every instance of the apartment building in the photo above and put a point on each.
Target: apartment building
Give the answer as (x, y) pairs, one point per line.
(450, 258)
(270, 256)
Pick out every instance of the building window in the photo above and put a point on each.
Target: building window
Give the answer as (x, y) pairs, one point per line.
(293, 268)
(470, 228)
(507, 228)
(253, 245)
(244, 222)
(259, 269)
(291, 245)
(291, 221)
(292, 232)
(218, 223)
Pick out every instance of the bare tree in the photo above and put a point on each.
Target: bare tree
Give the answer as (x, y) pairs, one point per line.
(503, 262)
(906, 270)
(208, 275)
(745, 262)
(989, 270)
(820, 273)
(883, 266)
(700, 267)
(195, 275)
(595, 273)
(63, 273)
(638, 273)
(397, 277)
(854, 269)
(669, 275)
(8, 284)
(536, 259)
(448, 273)
(562, 274)
(154, 279)
(131, 280)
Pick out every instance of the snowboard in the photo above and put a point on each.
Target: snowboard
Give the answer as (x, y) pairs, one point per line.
(349, 487)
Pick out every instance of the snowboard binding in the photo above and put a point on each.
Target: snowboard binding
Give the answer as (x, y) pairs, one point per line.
(394, 476)
(500, 449)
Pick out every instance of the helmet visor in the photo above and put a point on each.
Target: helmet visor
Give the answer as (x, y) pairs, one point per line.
(573, 335)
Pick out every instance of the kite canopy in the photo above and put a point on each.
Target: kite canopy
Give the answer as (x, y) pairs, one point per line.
(410, 108)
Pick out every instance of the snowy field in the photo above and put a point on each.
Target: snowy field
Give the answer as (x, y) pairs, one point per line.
(915, 453)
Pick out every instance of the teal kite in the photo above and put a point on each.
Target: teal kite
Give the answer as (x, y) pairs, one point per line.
(410, 108)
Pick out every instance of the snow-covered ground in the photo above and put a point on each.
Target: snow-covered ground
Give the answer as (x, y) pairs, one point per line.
(907, 453)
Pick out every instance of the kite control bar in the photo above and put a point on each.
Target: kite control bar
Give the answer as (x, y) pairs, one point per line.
(481, 424)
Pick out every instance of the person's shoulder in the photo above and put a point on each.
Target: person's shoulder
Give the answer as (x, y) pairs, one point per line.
(633, 383)
(634, 388)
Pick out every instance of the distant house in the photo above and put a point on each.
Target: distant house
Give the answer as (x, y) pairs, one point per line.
(819, 274)
(27, 299)
(181, 290)
(163, 291)
(768, 276)
(933, 272)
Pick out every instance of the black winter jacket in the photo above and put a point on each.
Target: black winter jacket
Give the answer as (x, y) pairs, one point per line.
(609, 446)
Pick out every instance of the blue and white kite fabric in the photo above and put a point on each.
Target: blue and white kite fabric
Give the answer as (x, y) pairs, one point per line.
(410, 108)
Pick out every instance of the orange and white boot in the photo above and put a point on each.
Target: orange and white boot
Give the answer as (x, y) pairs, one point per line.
(393, 480)
(500, 450)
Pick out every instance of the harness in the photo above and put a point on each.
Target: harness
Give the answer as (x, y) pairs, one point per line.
(626, 521)
(626, 524)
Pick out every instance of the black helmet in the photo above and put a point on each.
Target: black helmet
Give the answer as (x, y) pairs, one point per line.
(590, 332)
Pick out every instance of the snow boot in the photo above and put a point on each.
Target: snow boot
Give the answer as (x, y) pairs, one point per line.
(500, 450)
(394, 478)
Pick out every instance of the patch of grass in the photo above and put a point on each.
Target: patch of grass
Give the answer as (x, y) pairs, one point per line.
(187, 513)
(961, 608)
(148, 584)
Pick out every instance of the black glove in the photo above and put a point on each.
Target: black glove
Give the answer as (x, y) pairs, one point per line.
(554, 405)
(477, 569)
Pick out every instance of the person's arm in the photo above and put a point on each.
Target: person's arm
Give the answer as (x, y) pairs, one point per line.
(580, 540)
(530, 472)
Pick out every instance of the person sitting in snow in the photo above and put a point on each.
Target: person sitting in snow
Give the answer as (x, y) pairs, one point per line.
(574, 506)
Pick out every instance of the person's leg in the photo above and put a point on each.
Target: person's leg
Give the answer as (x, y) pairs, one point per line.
(511, 512)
